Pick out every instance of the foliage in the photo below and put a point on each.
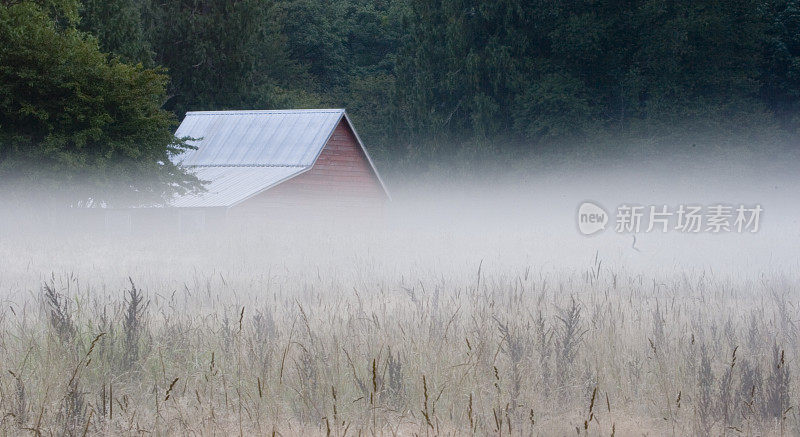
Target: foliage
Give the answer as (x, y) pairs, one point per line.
(533, 73)
(75, 122)
(118, 25)
(781, 62)
(224, 55)
(425, 79)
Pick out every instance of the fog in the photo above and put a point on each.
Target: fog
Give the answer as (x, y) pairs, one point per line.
(533, 217)
(506, 220)
(472, 295)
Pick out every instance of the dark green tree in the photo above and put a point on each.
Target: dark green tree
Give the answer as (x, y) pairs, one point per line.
(371, 31)
(314, 40)
(81, 126)
(483, 73)
(781, 62)
(225, 54)
(118, 26)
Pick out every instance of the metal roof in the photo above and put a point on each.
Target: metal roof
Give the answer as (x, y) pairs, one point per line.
(228, 186)
(257, 138)
(242, 153)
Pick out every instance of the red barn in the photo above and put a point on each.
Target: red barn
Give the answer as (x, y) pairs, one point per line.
(277, 164)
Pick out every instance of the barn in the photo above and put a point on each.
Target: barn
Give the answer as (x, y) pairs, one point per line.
(266, 166)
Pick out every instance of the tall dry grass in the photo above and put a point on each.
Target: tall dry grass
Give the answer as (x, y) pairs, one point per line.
(332, 336)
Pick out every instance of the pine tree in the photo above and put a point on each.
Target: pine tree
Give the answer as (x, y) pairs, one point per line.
(117, 24)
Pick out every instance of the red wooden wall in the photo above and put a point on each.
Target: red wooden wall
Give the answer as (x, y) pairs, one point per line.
(341, 178)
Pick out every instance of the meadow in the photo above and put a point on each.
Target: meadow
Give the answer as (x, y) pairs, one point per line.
(442, 322)
(363, 334)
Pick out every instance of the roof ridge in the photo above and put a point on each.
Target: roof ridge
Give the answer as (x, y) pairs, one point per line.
(269, 111)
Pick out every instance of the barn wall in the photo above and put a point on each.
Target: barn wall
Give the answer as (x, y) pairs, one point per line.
(340, 180)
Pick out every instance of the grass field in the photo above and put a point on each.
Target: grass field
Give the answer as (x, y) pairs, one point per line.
(367, 333)
(443, 322)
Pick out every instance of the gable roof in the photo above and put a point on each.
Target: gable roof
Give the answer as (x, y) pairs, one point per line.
(257, 138)
(242, 153)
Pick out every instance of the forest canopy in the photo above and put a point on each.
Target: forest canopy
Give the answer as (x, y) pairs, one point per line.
(420, 78)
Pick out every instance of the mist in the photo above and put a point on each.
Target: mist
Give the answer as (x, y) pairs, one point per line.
(503, 220)
(477, 290)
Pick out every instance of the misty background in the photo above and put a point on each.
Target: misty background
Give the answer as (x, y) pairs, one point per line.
(488, 119)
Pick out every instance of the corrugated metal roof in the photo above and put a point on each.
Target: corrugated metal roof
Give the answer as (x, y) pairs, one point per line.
(257, 138)
(242, 153)
(230, 185)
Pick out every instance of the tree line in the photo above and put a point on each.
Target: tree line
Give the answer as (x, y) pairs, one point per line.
(94, 87)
